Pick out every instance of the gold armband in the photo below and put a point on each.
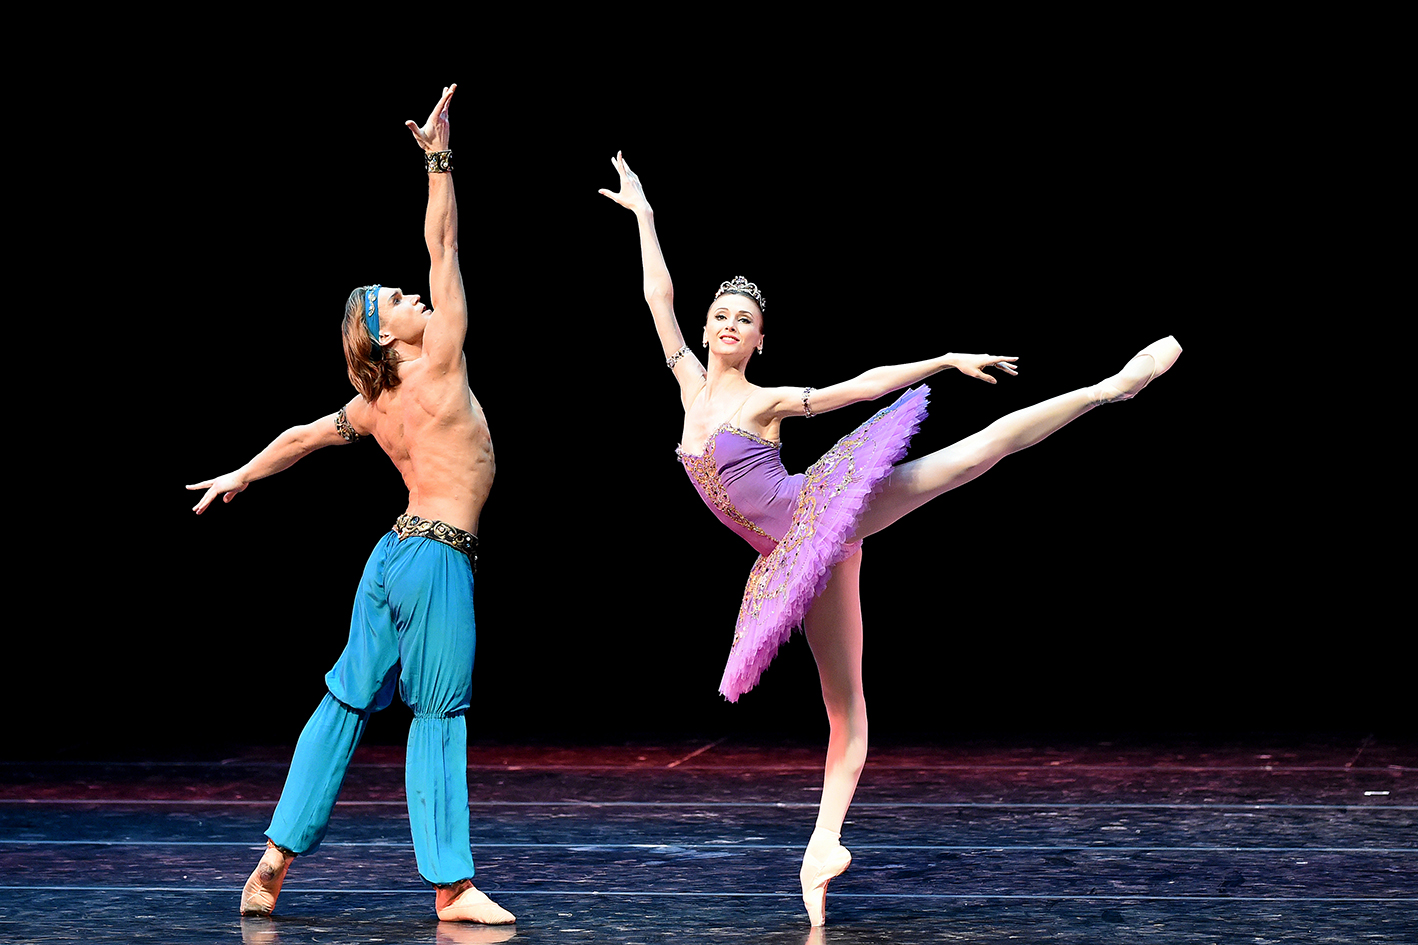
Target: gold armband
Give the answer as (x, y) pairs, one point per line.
(344, 428)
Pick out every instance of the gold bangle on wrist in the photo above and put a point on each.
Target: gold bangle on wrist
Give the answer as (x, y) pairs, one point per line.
(438, 162)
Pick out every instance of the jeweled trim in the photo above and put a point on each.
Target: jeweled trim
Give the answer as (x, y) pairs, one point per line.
(438, 162)
(727, 427)
(345, 428)
(411, 526)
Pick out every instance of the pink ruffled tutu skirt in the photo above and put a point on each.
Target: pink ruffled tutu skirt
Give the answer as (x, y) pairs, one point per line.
(836, 491)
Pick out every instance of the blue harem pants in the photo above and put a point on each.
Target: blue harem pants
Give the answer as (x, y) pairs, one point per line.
(413, 628)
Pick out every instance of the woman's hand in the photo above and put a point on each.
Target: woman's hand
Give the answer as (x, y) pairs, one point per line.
(631, 195)
(975, 364)
(433, 136)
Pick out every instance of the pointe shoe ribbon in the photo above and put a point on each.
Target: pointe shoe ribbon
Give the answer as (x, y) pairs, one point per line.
(815, 875)
(258, 896)
(470, 905)
(1161, 356)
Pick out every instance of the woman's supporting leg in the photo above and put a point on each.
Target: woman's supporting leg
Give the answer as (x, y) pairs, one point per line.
(913, 484)
(834, 632)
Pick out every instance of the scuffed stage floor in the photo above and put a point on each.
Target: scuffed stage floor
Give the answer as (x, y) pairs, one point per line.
(1287, 840)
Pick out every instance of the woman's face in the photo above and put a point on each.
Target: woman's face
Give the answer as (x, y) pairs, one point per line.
(734, 325)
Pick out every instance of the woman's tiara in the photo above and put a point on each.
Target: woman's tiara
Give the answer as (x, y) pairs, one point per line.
(741, 286)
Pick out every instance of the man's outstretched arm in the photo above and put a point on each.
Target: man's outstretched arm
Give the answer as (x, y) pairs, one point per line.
(279, 454)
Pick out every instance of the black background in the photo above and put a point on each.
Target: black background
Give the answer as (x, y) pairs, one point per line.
(1198, 559)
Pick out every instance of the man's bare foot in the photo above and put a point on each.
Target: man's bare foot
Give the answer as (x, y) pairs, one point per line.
(462, 902)
(259, 895)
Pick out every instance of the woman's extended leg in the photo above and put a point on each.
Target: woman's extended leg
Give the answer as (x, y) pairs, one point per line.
(913, 484)
(834, 631)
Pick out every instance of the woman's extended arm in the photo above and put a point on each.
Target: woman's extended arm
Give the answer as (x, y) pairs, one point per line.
(659, 290)
(869, 385)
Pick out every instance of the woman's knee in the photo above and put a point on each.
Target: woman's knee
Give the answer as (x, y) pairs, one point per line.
(848, 743)
(848, 719)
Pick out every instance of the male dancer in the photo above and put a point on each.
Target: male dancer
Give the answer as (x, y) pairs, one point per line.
(412, 624)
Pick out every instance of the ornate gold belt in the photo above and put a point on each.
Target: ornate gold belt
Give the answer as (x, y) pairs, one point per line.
(411, 526)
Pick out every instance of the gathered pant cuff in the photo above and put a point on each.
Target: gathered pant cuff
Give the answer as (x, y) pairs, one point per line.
(436, 784)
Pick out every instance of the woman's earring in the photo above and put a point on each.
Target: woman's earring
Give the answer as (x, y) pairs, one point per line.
(760, 347)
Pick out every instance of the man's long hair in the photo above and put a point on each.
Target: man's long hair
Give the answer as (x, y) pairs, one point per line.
(372, 370)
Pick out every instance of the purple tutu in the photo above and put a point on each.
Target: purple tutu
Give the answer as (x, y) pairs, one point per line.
(799, 524)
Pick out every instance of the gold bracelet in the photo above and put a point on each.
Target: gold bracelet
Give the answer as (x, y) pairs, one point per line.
(438, 162)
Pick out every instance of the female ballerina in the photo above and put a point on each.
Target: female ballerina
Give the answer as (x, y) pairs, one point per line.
(808, 528)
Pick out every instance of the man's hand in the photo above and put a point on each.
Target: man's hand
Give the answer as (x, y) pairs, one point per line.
(225, 486)
(433, 136)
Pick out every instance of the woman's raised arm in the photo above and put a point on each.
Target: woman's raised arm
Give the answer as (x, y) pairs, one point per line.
(659, 290)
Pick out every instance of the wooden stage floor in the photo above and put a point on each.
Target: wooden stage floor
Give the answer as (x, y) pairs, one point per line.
(1279, 840)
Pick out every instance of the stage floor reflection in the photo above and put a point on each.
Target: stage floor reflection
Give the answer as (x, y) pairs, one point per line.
(1286, 839)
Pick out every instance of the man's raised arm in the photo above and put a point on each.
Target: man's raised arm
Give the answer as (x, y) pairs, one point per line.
(448, 325)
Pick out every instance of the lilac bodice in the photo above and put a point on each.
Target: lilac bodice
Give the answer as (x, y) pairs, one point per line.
(742, 479)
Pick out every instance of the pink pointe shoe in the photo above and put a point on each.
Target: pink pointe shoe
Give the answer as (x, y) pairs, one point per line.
(1148, 363)
(463, 902)
(258, 896)
(815, 875)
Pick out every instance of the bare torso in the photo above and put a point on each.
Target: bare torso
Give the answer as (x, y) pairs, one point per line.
(434, 430)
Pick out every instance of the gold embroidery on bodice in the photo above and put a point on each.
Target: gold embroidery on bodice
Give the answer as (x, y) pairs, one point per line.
(705, 471)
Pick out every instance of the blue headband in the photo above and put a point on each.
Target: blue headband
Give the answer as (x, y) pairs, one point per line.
(371, 317)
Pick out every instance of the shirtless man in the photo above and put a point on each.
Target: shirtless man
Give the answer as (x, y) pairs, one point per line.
(412, 626)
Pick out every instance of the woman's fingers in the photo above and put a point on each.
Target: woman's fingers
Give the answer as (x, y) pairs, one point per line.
(988, 361)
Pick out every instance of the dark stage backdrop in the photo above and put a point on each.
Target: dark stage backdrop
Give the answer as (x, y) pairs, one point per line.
(1151, 567)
